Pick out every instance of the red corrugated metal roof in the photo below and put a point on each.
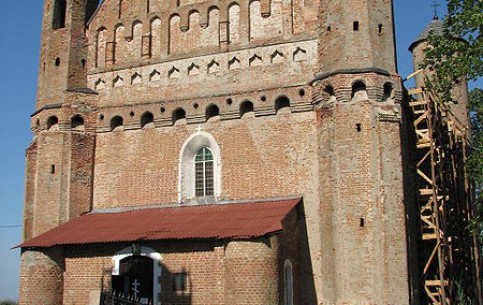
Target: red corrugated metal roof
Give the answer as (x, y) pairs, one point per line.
(235, 220)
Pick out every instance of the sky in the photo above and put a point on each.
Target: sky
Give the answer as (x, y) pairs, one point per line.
(20, 27)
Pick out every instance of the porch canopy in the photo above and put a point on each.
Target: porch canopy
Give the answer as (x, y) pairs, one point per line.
(214, 221)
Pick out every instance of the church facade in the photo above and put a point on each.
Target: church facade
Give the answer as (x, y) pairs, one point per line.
(216, 152)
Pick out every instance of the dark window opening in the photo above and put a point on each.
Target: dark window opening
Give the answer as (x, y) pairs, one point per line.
(52, 122)
(388, 92)
(179, 114)
(116, 122)
(146, 118)
(358, 87)
(361, 223)
(246, 107)
(281, 103)
(52, 168)
(60, 8)
(77, 123)
(83, 63)
(355, 26)
(329, 90)
(135, 272)
(180, 281)
(358, 127)
(381, 28)
(211, 112)
(57, 62)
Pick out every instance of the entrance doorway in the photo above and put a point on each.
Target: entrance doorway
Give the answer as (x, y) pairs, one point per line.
(135, 278)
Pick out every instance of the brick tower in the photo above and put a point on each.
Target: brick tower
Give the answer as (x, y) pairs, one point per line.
(60, 158)
(265, 136)
(361, 153)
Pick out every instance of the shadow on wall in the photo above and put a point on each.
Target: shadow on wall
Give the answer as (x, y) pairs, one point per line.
(297, 286)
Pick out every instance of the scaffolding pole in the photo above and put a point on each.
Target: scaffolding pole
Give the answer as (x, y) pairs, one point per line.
(448, 252)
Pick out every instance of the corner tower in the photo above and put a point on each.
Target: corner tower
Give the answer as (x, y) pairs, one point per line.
(359, 96)
(63, 51)
(60, 158)
(460, 90)
(356, 35)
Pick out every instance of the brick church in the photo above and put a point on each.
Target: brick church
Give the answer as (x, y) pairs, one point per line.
(216, 152)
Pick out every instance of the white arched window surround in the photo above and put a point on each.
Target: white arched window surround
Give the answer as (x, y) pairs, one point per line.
(186, 183)
(145, 251)
(288, 282)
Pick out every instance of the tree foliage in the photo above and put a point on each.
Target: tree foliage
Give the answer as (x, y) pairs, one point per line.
(457, 52)
(455, 55)
(474, 163)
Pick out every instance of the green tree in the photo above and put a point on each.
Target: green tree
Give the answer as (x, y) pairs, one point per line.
(457, 52)
(453, 56)
(474, 163)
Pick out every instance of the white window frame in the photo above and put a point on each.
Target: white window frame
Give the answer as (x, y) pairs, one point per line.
(204, 180)
(186, 177)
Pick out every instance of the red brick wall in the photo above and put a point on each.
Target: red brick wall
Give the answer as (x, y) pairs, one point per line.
(41, 277)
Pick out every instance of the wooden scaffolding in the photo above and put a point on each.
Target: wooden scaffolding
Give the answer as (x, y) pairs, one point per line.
(448, 255)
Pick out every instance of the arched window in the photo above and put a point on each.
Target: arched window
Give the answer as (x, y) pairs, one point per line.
(146, 118)
(359, 91)
(204, 184)
(178, 115)
(53, 123)
(143, 266)
(116, 122)
(288, 282)
(200, 169)
(282, 103)
(245, 108)
(388, 92)
(212, 111)
(77, 123)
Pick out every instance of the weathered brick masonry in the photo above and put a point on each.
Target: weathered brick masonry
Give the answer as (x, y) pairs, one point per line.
(294, 99)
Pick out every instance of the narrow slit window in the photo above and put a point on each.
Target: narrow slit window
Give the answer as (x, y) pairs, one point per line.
(180, 281)
(204, 182)
(355, 26)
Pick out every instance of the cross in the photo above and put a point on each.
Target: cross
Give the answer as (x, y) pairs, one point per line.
(135, 286)
(435, 6)
(199, 128)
